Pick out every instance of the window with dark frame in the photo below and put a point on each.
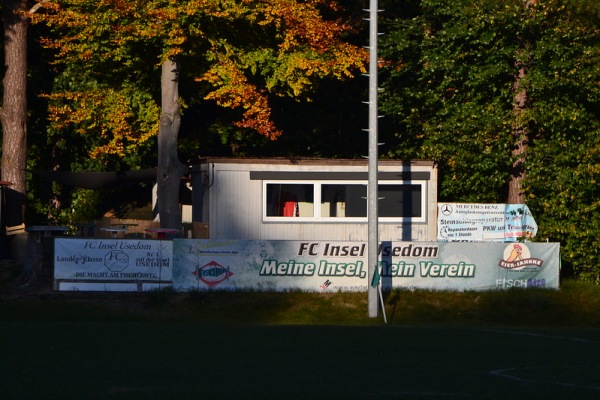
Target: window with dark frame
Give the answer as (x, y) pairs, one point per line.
(332, 200)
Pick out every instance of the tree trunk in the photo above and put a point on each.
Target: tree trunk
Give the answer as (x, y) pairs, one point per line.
(520, 142)
(520, 131)
(170, 170)
(14, 110)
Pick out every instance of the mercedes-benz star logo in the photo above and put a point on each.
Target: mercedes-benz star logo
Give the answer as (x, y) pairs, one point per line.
(446, 209)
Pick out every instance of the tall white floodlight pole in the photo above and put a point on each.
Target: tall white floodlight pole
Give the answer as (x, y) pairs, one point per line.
(372, 195)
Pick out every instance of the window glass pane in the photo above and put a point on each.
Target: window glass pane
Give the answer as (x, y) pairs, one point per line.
(290, 200)
(340, 200)
(400, 201)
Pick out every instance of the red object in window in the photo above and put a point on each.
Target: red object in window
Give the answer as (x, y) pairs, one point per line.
(287, 205)
(290, 209)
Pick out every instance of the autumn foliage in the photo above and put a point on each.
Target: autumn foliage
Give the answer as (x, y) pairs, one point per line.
(239, 52)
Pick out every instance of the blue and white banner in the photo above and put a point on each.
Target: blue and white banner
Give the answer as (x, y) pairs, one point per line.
(473, 222)
(329, 266)
(93, 264)
(318, 266)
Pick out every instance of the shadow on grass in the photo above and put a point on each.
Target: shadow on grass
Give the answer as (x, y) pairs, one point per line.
(574, 304)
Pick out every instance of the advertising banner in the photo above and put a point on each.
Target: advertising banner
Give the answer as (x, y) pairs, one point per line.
(329, 266)
(112, 264)
(473, 222)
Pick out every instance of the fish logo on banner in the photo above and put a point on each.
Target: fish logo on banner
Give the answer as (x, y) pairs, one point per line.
(212, 273)
(517, 256)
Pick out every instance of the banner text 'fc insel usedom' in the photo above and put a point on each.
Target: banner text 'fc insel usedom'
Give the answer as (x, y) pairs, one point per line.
(204, 264)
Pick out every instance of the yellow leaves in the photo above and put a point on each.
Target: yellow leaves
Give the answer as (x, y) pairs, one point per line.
(194, 7)
(302, 46)
(105, 112)
(301, 24)
(234, 91)
(307, 48)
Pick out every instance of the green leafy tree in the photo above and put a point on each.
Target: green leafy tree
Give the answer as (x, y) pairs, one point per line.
(452, 76)
(564, 164)
(447, 91)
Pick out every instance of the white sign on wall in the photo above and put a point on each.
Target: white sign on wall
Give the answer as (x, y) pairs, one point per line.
(93, 264)
(474, 222)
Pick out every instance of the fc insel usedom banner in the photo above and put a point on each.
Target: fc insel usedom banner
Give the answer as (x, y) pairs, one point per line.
(126, 265)
(204, 264)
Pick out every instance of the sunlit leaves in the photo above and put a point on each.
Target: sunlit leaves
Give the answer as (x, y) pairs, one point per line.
(250, 48)
(234, 91)
(124, 120)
